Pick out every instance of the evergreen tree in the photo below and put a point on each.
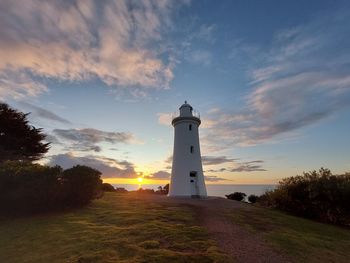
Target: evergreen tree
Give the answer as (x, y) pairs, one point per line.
(19, 141)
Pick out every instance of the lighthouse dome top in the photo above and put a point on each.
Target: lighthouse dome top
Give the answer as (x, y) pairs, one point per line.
(186, 110)
(186, 114)
(186, 105)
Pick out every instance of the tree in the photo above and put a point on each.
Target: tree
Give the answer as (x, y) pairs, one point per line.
(19, 141)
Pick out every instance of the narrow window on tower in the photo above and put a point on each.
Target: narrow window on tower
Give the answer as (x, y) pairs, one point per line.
(191, 149)
(190, 127)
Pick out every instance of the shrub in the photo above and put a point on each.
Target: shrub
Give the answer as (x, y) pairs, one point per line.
(163, 190)
(27, 187)
(108, 187)
(253, 198)
(30, 188)
(82, 184)
(238, 196)
(316, 195)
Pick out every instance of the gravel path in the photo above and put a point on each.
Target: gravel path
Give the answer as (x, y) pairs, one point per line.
(240, 244)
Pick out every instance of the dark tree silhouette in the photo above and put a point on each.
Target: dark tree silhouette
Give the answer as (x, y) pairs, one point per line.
(19, 141)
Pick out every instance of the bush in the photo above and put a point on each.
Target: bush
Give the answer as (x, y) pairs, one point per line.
(30, 188)
(163, 190)
(27, 187)
(316, 195)
(253, 198)
(82, 184)
(238, 196)
(108, 187)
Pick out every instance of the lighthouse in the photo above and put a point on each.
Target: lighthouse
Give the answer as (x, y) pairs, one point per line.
(187, 179)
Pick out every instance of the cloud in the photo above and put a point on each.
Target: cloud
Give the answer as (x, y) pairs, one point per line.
(213, 178)
(301, 80)
(87, 139)
(215, 160)
(202, 57)
(115, 41)
(206, 33)
(161, 175)
(251, 166)
(165, 118)
(18, 85)
(110, 168)
(216, 170)
(43, 113)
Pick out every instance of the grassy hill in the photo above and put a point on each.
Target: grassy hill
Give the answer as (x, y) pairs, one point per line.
(134, 228)
(116, 228)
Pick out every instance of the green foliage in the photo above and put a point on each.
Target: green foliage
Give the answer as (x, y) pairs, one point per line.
(106, 187)
(29, 188)
(18, 139)
(317, 195)
(238, 196)
(253, 198)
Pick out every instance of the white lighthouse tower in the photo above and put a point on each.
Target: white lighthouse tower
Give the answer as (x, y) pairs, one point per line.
(187, 177)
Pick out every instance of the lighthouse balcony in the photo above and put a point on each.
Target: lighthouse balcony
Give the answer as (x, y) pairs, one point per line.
(176, 118)
(194, 113)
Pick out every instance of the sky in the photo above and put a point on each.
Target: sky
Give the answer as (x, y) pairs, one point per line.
(271, 80)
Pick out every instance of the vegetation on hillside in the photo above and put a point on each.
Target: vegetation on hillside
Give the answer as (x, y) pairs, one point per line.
(30, 188)
(238, 196)
(26, 187)
(253, 198)
(317, 195)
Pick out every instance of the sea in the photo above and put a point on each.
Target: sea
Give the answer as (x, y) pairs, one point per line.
(213, 189)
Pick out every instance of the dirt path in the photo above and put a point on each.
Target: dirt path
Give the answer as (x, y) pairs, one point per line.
(240, 244)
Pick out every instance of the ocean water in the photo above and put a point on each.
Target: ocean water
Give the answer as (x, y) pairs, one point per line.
(214, 189)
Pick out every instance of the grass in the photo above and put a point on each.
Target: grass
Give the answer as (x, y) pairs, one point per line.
(132, 228)
(115, 228)
(302, 239)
